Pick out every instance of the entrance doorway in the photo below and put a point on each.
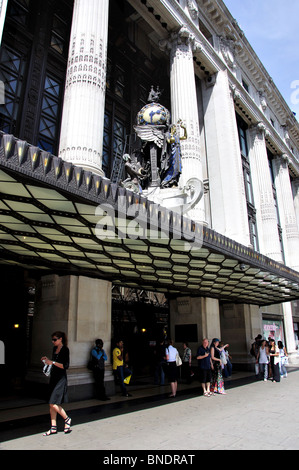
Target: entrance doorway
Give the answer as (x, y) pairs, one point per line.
(141, 319)
(17, 294)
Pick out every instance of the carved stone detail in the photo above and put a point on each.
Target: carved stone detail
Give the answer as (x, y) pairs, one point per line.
(84, 102)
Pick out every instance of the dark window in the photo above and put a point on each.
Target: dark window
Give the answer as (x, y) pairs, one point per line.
(12, 71)
(118, 80)
(114, 141)
(60, 31)
(251, 211)
(50, 112)
(18, 10)
(245, 85)
(279, 228)
(243, 139)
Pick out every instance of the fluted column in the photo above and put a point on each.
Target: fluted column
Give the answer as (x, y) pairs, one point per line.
(82, 126)
(184, 107)
(290, 238)
(287, 211)
(227, 190)
(263, 195)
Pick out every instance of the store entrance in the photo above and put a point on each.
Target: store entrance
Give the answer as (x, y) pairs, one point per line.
(141, 320)
(17, 294)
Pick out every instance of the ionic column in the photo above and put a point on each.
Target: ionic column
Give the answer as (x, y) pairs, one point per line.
(227, 190)
(184, 107)
(82, 125)
(263, 195)
(287, 211)
(290, 239)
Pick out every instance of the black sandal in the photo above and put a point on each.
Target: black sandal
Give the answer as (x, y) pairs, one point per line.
(52, 430)
(67, 425)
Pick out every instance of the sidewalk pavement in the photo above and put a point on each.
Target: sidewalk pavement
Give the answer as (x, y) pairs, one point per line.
(253, 415)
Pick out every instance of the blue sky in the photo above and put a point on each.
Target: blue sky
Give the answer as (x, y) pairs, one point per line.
(271, 27)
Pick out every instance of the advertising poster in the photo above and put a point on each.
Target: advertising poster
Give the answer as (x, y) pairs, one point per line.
(273, 329)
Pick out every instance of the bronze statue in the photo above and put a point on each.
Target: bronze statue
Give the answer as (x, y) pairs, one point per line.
(158, 163)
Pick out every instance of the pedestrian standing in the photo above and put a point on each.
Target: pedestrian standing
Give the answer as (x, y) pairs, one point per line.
(254, 352)
(229, 366)
(217, 382)
(160, 363)
(171, 354)
(120, 369)
(263, 359)
(204, 365)
(186, 363)
(99, 357)
(275, 360)
(58, 382)
(283, 356)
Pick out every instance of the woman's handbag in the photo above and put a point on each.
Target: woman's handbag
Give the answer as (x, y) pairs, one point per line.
(178, 360)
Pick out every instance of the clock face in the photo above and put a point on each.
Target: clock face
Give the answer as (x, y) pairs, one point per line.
(153, 114)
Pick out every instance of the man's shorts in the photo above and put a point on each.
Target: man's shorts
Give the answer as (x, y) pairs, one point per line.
(205, 375)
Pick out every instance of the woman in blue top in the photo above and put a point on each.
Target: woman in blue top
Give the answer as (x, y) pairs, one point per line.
(99, 357)
(204, 364)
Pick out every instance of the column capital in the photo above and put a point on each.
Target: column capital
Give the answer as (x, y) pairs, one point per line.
(181, 37)
(259, 128)
(282, 159)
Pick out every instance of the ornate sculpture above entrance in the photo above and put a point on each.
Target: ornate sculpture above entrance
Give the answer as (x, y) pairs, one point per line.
(155, 167)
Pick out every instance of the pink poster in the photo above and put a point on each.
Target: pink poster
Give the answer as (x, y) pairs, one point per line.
(273, 329)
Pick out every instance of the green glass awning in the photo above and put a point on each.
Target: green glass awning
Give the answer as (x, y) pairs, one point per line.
(56, 217)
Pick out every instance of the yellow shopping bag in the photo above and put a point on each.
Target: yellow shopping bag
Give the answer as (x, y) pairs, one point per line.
(127, 380)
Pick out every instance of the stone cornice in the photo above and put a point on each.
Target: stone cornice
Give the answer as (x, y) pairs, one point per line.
(255, 116)
(168, 16)
(227, 27)
(173, 17)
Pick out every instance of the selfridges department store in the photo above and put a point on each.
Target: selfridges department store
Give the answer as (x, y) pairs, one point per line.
(144, 149)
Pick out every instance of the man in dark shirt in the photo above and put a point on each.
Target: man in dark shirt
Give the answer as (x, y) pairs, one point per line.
(204, 364)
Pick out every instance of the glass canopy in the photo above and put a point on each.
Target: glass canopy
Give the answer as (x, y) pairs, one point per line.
(55, 217)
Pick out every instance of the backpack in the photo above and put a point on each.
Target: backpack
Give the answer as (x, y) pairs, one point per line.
(94, 363)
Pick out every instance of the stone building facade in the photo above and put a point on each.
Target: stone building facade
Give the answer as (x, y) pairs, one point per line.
(77, 72)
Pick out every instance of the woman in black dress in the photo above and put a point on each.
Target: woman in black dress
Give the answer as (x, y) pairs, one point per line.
(58, 381)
